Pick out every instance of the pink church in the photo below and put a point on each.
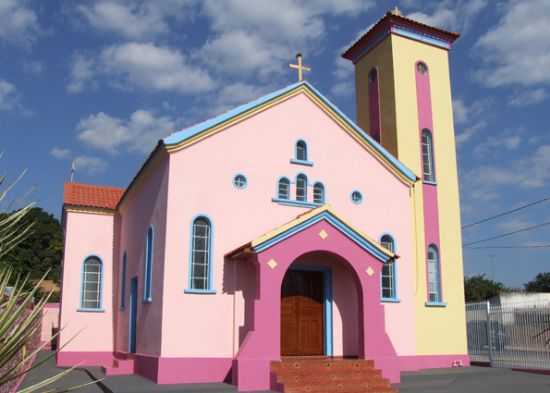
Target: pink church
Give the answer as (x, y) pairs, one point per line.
(282, 236)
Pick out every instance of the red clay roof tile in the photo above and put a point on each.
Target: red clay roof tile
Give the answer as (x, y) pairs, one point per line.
(89, 195)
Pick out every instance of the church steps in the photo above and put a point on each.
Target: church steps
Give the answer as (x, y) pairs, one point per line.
(303, 375)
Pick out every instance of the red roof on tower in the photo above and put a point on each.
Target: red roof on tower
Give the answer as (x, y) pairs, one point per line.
(394, 22)
(89, 195)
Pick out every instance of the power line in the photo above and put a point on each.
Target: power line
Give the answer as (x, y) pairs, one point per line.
(544, 224)
(492, 247)
(505, 213)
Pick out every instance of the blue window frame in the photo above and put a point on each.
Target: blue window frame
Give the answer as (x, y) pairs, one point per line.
(239, 181)
(123, 272)
(388, 284)
(301, 151)
(283, 188)
(148, 272)
(200, 276)
(318, 193)
(434, 275)
(356, 197)
(92, 285)
(301, 187)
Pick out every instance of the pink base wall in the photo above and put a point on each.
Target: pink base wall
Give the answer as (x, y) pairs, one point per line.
(422, 362)
(211, 370)
(69, 359)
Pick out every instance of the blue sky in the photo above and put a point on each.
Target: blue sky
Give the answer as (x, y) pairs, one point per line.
(100, 82)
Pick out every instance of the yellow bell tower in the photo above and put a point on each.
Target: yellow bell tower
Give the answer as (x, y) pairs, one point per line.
(404, 101)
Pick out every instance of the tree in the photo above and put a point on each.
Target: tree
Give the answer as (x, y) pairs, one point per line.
(478, 288)
(541, 283)
(41, 250)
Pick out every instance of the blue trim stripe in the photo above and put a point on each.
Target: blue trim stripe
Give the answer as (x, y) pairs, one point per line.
(190, 132)
(327, 216)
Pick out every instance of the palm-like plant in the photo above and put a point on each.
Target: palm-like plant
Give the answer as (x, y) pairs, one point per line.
(20, 312)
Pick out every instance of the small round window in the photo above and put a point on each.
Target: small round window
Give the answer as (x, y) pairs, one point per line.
(239, 181)
(356, 197)
(422, 67)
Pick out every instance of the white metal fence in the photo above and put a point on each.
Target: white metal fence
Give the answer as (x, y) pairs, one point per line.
(514, 336)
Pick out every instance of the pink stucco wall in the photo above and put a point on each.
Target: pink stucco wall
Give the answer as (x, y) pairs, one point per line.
(144, 205)
(260, 148)
(86, 235)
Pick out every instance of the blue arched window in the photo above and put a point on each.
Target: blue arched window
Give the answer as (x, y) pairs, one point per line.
(283, 188)
(92, 277)
(123, 272)
(301, 187)
(318, 193)
(434, 275)
(388, 270)
(428, 165)
(148, 272)
(301, 151)
(201, 254)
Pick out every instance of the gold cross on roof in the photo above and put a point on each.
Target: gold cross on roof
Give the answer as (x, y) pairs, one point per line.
(300, 67)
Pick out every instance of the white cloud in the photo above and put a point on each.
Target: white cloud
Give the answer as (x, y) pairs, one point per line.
(8, 96)
(19, 24)
(517, 50)
(232, 95)
(82, 73)
(468, 132)
(460, 111)
(142, 65)
(262, 36)
(60, 153)
(133, 19)
(453, 15)
(529, 97)
(90, 165)
(496, 144)
(487, 183)
(514, 224)
(33, 67)
(110, 134)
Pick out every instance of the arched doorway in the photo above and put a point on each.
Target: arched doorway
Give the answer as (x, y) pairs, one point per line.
(320, 307)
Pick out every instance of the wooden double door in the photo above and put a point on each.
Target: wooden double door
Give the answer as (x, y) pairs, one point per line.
(302, 313)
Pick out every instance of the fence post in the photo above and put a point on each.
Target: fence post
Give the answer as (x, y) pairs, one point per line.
(489, 333)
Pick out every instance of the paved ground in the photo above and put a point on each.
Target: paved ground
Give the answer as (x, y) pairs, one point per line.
(466, 380)
(474, 380)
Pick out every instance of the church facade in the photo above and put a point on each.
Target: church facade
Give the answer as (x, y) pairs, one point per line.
(282, 228)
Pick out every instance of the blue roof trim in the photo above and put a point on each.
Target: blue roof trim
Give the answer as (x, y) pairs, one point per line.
(330, 218)
(187, 133)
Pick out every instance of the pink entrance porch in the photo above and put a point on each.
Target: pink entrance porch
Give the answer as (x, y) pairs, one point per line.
(319, 232)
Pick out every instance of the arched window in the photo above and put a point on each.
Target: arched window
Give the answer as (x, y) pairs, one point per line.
(428, 156)
(301, 187)
(123, 270)
(283, 189)
(148, 272)
(421, 67)
(434, 275)
(318, 193)
(201, 254)
(92, 275)
(388, 270)
(373, 75)
(301, 151)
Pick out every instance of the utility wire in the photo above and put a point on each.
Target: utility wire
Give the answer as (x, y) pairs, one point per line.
(505, 213)
(486, 247)
(544, 224)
